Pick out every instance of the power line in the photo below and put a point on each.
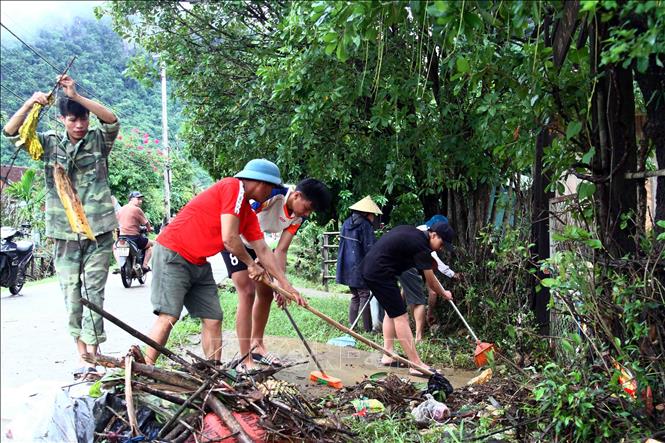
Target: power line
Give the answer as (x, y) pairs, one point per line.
(29, 47)
(12, 92)
(90, 93)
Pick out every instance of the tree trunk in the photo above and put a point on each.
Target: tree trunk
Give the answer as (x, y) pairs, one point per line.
(540, 231)
(652, 85)
(616, 153)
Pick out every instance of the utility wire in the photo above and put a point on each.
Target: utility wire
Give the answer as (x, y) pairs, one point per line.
(89, 92)
(11, 92)
(29, 47)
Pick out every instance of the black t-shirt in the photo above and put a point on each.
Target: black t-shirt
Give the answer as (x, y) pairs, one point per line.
(401, 248)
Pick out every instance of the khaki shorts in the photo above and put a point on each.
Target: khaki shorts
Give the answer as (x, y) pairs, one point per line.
(177, 283)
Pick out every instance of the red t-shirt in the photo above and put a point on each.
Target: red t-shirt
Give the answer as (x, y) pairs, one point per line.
(196, 232)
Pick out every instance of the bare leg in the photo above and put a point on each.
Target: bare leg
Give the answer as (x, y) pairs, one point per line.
(419, 314)
(260, 314)
(245, 288)
(82, 348)
(160, 333)
(148, 254)
(388, 338)
(211, 339)
(405, 337)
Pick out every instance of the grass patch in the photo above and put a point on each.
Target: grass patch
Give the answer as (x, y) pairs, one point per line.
(185, 332)
(300, 282)
(396, 428)
(312, 327)
(442, 352)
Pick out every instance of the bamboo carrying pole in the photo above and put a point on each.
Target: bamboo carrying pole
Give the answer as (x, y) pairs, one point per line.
(341, 327)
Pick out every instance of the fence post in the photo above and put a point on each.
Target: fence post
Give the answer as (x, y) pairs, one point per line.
(327, 261)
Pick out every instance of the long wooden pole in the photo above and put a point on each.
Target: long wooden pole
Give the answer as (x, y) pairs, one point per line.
(341, 327)
(144, 338)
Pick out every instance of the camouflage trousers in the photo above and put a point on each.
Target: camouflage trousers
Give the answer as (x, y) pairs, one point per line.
(82, 268)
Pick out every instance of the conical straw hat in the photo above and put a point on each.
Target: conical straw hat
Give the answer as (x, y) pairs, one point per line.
(366, 205)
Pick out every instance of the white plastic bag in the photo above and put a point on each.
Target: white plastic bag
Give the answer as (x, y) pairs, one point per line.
(430, 409)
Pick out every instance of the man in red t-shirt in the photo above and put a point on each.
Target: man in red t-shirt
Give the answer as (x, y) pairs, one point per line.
(210, 223)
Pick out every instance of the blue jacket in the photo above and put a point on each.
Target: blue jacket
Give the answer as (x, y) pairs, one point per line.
(355, 240)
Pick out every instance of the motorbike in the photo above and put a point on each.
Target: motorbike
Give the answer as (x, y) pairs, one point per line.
(130, 259)
(15, 257)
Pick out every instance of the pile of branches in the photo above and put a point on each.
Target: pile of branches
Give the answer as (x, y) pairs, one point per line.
(205, 387)
(196, 389)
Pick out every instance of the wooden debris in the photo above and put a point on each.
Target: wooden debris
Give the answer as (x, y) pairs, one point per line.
(282, 410)
(129, 397)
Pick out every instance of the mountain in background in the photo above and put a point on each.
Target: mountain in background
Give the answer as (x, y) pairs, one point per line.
(99, 70)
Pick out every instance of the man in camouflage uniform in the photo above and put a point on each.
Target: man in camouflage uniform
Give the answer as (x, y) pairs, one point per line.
(81, 264)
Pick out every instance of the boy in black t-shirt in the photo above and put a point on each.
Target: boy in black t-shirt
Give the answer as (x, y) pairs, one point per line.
(402, 248)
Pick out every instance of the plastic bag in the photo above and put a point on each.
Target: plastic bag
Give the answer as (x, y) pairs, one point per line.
(430, 409)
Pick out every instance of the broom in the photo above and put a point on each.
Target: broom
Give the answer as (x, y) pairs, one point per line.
(422, 369)
(319, 376)
(347, 340)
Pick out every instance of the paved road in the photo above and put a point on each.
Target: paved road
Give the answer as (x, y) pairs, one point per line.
(35, 341)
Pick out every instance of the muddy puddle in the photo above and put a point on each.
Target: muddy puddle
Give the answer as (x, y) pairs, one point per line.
(348, 364)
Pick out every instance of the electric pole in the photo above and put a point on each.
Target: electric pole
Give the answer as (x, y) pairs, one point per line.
(165, 145)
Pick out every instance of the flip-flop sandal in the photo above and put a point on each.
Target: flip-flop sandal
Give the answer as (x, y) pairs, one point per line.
(79, 372)
(86, 373)
(394, 364)
(91, 374)
(269, 359)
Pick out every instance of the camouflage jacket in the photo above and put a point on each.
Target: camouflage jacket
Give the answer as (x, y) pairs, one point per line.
(86, 164)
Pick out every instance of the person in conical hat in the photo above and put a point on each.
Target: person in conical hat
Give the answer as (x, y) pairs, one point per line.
(355, 240)
(367, 206)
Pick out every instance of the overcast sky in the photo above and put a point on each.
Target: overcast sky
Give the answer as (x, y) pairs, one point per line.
(26, 18)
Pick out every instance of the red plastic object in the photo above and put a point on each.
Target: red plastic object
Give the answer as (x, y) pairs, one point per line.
(480, 355)
(214, 429)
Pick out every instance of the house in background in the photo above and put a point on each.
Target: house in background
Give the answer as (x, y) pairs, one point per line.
(7, 176)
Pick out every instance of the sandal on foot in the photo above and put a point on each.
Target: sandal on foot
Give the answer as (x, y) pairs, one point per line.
(269, 359)
(91, 374)
(79, 372)
(87, 373)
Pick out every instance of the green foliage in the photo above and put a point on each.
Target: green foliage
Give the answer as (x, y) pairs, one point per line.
(137, 163)
(628, 44)
(305, 258)
(582, 406)
(603, 319)
(28, 195)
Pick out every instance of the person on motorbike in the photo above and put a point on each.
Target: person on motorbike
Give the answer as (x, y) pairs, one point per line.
(131, 218)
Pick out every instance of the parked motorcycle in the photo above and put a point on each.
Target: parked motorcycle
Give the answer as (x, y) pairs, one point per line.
(130, 259)
(15, 257)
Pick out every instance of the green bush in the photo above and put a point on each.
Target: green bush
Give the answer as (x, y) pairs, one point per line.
(580, 405)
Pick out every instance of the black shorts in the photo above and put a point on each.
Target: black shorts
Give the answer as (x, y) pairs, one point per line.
(233, 263)
(139, 240)
(413, 287)
(388, 295)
